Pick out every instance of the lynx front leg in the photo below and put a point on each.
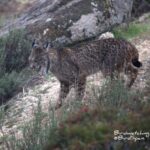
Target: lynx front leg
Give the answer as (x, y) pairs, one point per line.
(80, 88)
(64, 90)
(132, 73)
(133, 76)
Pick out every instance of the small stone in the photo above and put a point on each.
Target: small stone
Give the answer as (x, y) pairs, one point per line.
(48, 19)
(106, 35)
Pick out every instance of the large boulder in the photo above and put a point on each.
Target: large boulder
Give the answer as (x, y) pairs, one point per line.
(140, 7)
(70, 21)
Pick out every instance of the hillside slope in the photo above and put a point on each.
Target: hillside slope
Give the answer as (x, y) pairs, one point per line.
(23, 104)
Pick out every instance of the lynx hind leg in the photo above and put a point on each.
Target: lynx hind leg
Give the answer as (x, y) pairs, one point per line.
(64, 90)
(132, 73)
(80, 88)
(112, 74)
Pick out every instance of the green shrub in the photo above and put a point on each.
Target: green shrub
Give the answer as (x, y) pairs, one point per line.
(14, 52)
(9, 84)
(94, 129)
(16, 49)
(132, 31)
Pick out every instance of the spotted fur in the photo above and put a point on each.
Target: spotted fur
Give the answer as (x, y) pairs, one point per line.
(72, 65)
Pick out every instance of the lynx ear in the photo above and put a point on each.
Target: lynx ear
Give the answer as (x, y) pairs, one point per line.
(36, 44)
(33, 43)
(46, 45)
(50, 45)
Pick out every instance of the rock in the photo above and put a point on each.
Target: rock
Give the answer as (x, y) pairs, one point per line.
(106, 35)
(85, 27)
(69, 21)
(144, 17)
(140, 7)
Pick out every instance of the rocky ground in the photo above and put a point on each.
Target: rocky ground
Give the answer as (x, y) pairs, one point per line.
(22, 106)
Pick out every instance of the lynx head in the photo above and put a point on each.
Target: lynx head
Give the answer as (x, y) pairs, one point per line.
(38, 59)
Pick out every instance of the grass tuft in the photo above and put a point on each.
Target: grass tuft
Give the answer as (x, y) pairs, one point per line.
(132, 31)
(85, 127)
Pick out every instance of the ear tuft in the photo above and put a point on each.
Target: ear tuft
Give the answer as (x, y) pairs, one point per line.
(50, 44)
(46, 45)
(33, 43)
